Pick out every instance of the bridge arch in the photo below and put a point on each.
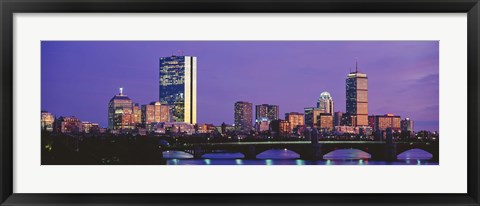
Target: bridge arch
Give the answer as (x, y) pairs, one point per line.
(432, 148)
(414, 153)
(177, 154)
(278, 153)
(401, 150)
(365, 149)
(349, 153)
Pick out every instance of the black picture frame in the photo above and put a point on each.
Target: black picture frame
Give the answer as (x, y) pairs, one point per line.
(10, 7)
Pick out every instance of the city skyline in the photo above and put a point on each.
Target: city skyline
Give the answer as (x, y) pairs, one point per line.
(277, 86)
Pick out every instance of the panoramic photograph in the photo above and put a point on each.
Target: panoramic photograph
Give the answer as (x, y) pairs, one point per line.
(240, 103)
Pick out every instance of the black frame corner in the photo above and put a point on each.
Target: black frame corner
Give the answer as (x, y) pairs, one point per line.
(10, 7)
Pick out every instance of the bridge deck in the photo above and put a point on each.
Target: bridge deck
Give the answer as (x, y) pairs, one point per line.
(294, 143)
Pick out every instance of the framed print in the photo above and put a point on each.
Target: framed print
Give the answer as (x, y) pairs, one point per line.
(265, 102)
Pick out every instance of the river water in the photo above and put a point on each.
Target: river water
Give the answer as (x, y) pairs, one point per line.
(287, 157)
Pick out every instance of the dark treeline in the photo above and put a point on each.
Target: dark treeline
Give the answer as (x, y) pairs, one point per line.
(64, 149)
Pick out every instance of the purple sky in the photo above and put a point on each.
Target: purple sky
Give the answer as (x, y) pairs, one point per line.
(80, 77)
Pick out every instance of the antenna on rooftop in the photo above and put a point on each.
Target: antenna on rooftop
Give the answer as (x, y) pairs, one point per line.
(356, 65)
(121, 91)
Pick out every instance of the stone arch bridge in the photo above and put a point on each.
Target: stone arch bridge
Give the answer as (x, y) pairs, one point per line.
(308, 150)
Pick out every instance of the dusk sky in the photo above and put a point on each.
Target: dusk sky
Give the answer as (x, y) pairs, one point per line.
(80, 77)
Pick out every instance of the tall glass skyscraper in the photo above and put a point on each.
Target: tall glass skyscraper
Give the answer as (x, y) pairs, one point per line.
(243, 116)
(178, 87)
(357, 98)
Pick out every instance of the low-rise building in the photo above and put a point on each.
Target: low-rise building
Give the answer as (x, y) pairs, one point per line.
(69, 124)
(325, 122)
(47, 121)
(383, 122)
(280, 127)
(89, 127)
(174, 127)
(295, 118)
(407, 125)
(262, 124)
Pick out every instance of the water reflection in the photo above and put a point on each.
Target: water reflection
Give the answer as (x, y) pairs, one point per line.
(233, 155)
(176, 155)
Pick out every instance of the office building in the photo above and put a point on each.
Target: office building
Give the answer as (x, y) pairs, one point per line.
(224, 128)
(243, 116)
(154, 112)
(69, 124)
(345, 129)
(161, 112)
(337, 118)
(120, 112)
(382, 122)
(407, 125)
(325, 122)
(262, 125)
(311, 116)
(266, 111)
(89, 127)
(47, 121)
(178, 87)
(173, 128)
(148, 116)
(280, 127)
(137, 114)
(205, 128)
(357, 98)
(295, 118)
(325, 102)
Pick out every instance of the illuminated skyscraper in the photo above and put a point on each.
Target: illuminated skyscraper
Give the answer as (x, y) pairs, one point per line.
(325, 102)
(178, 87)
(266, 111)
(243, 116)
(137, 114)
(357, 98)
(148, 116)
(153, 113)
(120, 112)
(162, 112)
